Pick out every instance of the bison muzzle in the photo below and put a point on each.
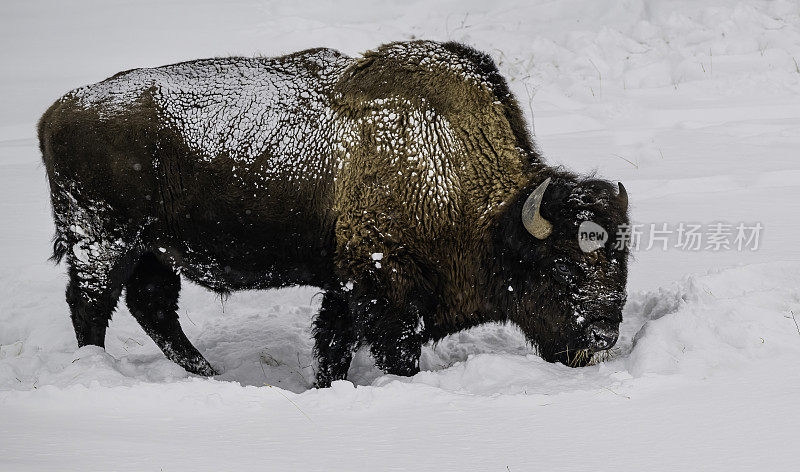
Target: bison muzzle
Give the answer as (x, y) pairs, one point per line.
(403, 183)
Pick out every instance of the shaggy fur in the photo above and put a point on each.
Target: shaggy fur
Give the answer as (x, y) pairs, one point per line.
(394, 182)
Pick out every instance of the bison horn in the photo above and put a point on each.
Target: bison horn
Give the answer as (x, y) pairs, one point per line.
(533, 221)
(622, 196)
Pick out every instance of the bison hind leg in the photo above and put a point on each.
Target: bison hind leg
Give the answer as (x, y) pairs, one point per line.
(335, 338)
(151, 294)
(91, 308)
(97, 269)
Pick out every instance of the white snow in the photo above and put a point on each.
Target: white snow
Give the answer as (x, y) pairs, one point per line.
(695, 106)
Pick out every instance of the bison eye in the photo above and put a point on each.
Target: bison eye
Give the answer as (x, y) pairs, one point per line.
(562, 269)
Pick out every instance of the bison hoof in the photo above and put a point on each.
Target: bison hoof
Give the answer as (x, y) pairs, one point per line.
(199, 367)
(323, 382)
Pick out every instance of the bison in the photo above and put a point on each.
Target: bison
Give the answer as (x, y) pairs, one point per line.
(402, 183)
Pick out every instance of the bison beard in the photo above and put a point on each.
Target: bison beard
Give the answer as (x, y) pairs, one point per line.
(403, 183)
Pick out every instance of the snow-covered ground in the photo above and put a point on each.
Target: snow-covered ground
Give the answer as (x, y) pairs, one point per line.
(694, 105)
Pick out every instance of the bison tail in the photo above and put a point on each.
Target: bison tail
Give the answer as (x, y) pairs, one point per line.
(60, 246)
(61, 213)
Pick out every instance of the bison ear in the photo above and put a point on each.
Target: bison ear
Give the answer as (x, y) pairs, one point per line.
(532, 219)
(622, 196)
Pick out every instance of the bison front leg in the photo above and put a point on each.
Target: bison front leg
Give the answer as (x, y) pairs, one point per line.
(334, 338)
(388, 296)
(391, 327)
(394, 339)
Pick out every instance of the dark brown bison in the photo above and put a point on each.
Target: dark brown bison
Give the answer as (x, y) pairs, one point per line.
(402, 183)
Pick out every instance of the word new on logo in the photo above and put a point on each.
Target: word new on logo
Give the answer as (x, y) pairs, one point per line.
(591, 236)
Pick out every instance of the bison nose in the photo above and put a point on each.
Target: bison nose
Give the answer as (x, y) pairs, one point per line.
(602, 336)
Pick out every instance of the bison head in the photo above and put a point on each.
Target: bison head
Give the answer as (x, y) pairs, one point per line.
(566, 268)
